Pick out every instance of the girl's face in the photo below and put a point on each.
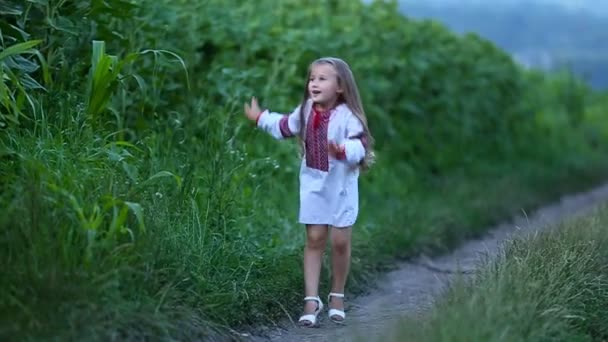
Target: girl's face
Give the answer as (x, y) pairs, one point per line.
(323, 85)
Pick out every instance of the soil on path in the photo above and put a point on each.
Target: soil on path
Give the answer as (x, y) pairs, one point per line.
(410, 288)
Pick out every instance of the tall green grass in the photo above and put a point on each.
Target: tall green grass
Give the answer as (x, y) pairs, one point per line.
(549, 286)
(139, 204)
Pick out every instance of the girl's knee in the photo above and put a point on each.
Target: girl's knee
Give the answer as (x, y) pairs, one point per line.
(316, 237)
(340, 244)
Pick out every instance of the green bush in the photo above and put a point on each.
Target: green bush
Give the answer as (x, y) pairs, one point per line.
(139, 203)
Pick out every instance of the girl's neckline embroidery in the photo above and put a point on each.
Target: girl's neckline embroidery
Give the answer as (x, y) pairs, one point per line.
(318, 115)
(316, 141)
(326, 111)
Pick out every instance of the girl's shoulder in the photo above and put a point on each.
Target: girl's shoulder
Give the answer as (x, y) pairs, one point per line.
(344, 112)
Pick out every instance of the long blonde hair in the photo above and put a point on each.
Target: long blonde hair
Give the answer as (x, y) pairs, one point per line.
(349, 96)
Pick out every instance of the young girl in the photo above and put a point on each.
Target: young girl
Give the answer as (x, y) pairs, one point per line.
(336, 141)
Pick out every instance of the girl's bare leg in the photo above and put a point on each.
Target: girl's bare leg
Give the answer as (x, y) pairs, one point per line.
(316, 239)
(340, 262)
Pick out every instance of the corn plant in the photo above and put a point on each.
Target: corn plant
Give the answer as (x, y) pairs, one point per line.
(106, 77)
(17, 85)
(103, 79)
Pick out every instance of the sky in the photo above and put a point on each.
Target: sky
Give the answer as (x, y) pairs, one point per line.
(597, 6)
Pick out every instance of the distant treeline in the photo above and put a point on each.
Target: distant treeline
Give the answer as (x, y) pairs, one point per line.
(576, 39)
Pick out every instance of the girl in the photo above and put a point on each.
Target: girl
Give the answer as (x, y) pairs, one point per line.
(336, 142)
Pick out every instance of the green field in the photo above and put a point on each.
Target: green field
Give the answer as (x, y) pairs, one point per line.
(138, 202)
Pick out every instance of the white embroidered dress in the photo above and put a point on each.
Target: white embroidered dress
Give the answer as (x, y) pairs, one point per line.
(329, 192)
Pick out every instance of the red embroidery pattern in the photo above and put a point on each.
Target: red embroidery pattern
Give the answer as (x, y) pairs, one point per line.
(317, 156)
(284, 127)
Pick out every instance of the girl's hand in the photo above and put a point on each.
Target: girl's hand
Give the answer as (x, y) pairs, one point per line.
(252, 112)
(335, 150)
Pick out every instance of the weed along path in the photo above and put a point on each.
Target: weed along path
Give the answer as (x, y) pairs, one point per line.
(410, 288)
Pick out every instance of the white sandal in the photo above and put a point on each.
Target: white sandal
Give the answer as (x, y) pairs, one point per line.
(336, 312)
(312, 318)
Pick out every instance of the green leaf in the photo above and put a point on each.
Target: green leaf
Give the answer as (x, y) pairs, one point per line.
(10, 9)
(139, 214)
(163, 174)
(176, 56)
(30, 83)
(99, 48)
(20, 63)
(18, 49)
(124, 144)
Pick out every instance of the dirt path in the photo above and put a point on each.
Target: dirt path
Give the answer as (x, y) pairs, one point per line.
(412, 287)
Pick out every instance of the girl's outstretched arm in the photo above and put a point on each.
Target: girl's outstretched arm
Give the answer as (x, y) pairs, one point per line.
(277, 125)
(252, 112)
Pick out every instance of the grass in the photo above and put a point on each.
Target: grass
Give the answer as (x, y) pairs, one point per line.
(547, 286)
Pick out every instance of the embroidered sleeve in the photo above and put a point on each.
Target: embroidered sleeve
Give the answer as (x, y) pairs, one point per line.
(280, 126)
(355, 144)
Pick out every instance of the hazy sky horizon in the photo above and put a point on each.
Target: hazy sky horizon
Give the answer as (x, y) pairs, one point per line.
(598, 6)
(543, 34)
